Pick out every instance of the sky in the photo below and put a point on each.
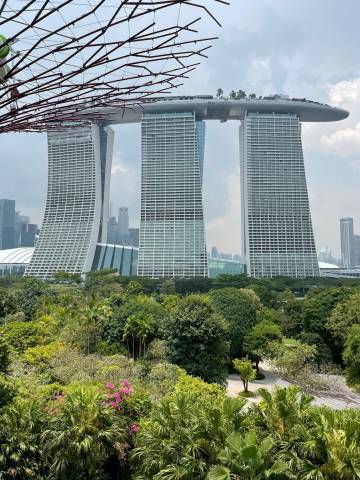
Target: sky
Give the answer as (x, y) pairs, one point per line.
(307, 48)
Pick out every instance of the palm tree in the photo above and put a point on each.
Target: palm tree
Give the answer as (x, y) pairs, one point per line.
(327, 446)
(21, 453)
(246, 458)
(83, 436)
(281, 410)
(183, 436)
(84, 329)
(138, 327)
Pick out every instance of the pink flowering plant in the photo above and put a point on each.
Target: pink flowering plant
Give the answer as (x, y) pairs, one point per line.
(118, 396)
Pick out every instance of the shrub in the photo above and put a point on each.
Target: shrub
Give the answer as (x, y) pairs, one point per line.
(8, 391)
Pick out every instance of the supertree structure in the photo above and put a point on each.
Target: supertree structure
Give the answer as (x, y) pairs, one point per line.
(61, 59)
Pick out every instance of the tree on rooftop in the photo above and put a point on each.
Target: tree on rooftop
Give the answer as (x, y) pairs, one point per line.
(219, 92)
(240, 94)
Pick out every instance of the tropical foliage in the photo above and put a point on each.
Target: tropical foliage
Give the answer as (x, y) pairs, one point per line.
(117, 378)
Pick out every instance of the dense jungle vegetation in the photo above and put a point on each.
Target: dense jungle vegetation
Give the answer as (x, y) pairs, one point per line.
(117, 378)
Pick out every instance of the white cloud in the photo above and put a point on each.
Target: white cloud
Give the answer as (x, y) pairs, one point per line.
(338, 138)
(346, 94)
(345, 143)
(118, 168)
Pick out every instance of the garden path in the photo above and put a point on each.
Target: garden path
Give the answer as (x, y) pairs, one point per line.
(339, 396)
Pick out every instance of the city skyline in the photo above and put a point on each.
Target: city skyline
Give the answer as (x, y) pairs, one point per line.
(15, 229)
(295, 66)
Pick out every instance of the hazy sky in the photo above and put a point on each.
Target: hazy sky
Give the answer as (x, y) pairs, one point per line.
(307, 48)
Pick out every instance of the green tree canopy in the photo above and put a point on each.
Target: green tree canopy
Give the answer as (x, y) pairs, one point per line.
(257, 341)
(290, 309)
(113, 326)
(239, 311)
(318, 305)
(352, 355)
(7, 303)
(31, 295)
(344, 315)
(196, 338)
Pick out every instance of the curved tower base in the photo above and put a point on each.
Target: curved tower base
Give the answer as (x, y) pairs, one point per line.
(77, 201)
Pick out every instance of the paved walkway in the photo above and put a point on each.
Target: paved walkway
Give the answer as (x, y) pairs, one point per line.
(339, 397)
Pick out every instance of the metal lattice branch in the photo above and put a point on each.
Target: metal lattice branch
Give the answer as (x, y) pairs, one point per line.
(60, 59)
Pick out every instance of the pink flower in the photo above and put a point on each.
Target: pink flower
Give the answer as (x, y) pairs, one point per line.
(113, 404)
(111, 386)
(126, 383)
(134, 428)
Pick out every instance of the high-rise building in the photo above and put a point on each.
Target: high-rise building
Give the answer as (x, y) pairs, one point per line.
(325, 255)
(276, 227)
(113, 234)
(28, 235)
(7, 224)
(76, 211)
(356, 250)
(347, 242)
(172, 234)
(25, 232)
(214, 252)
(134, 235)
(277, 232)
(20, 220)
(123, 221)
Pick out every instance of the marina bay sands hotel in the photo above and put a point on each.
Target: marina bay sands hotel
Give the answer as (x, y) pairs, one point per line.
(277, 233)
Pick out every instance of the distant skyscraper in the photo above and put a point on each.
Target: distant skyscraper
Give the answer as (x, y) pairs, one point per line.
(356, 250)
(325, 255)
(172, 234)
(28, 235)
(7, 224)
(20, 220)
(113, 233)
(276, 223)
(134, 234)
(214, 252)
(347, 242)
(76, 212)
(123, 221)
